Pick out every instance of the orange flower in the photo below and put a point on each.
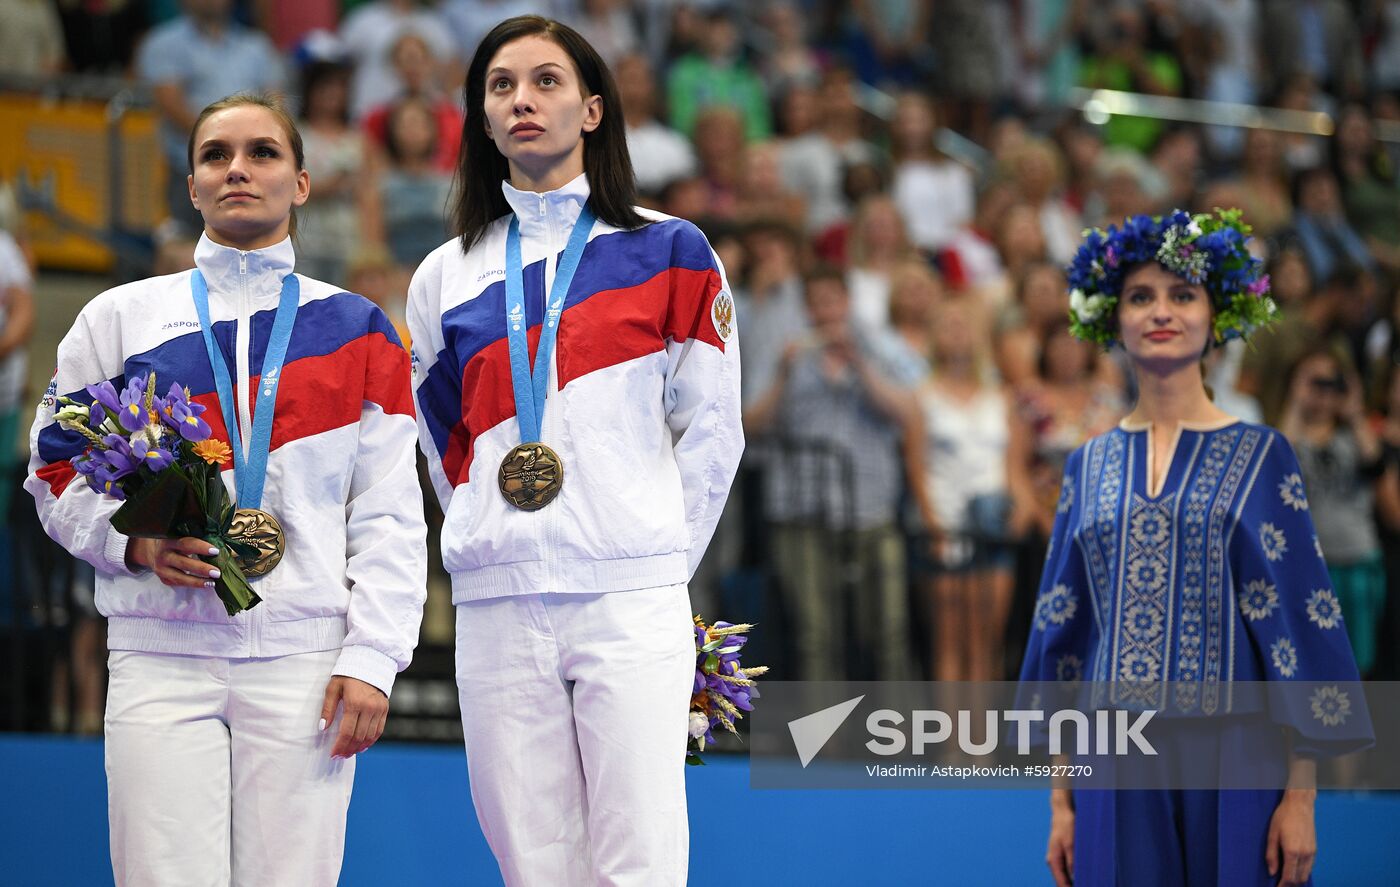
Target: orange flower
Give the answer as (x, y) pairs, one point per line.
(213, 451)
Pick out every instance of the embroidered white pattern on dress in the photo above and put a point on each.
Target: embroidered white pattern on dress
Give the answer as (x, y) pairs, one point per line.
(1066, 498)
(1055, 606)
(1285, 657)
(1142, 642)
(1291, 491)
(1331, 706)
(1258, 599)
(1273, 541)
(1143, 621)
(1069, 667)
(1323, 609)
(1140, 666)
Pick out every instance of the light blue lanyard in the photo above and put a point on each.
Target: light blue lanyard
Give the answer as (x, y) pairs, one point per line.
(530, 386)
(252, 473)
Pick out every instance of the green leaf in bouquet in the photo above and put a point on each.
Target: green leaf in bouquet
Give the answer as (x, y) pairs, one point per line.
(155, 507)
(241, 548)
(232, 586)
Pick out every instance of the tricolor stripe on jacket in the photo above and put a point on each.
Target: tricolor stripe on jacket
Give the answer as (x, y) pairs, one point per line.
(669, 282)
(338, 340)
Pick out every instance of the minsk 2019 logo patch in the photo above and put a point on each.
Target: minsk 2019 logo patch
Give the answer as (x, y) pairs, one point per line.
(722, 313)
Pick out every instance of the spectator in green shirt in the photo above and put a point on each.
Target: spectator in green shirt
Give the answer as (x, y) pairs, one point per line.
(717, 75)
(1122, 61)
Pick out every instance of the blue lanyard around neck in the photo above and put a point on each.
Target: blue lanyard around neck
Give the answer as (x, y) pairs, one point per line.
(529, 387)
(250, 473)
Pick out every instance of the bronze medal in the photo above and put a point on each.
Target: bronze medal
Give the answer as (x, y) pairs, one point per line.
(531, 475)
(261, 531)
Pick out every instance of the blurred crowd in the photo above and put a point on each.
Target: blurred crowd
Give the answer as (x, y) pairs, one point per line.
(893, 187)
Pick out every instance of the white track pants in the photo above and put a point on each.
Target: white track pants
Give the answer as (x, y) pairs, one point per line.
(217, 775)
(575, 709)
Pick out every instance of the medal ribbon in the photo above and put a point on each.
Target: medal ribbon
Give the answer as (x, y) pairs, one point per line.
(250, 472)
(529, 386)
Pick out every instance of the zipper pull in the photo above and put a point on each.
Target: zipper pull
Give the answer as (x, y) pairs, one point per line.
(242, 263)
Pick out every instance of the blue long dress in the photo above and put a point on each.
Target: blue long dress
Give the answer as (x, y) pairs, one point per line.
(1168, 599)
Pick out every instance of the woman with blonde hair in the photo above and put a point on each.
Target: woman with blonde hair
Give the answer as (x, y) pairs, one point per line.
(959, 480)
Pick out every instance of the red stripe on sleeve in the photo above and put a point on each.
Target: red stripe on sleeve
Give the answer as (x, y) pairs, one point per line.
(615, 326)
(58, 475)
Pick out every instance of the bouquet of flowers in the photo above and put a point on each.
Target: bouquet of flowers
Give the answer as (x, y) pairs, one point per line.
(723, 688)
(156, 454)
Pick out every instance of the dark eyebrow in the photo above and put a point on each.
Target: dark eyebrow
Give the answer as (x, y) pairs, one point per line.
(256, 142)
(540, 67)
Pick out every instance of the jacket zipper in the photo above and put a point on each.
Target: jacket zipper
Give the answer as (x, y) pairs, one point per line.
(551, 523)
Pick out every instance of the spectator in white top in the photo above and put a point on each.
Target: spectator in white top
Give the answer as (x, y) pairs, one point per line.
(813, 163)
(877, 245)
(660, 155)
(370, 33)
(935, 194)
(16, 326)
(959, 480)
(970, 260)
(1039, 171)
(31, 38)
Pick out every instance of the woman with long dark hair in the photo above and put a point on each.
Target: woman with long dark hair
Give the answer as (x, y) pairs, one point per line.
(581, 482)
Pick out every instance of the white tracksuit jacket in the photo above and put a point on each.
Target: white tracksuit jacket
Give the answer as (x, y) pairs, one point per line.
(642, 404)
(340, 477)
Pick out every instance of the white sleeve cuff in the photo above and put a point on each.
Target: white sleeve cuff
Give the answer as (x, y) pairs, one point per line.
(114, 552)
(369, 665)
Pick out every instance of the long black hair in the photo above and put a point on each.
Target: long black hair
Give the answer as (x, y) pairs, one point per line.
(481, 167)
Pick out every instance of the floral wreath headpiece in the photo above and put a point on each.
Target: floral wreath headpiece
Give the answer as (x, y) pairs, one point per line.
(1207, 248)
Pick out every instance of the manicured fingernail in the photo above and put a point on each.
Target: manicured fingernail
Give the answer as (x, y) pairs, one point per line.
(213, 574)
(322, 725)
(208, 585)
(213, 552)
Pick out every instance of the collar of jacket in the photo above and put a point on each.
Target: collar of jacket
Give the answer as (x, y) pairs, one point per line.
(227, 270)
(548, 214)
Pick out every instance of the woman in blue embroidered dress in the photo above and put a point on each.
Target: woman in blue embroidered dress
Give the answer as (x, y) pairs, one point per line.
(1183, 561)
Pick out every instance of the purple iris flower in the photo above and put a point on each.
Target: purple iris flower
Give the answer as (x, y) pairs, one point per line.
(183, 416)
(105, 395)
(85, 464)
(132, 414)
(153, 457)
(105, 481)
(119, 455)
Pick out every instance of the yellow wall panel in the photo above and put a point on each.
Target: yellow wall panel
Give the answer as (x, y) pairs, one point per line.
(63, 147)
